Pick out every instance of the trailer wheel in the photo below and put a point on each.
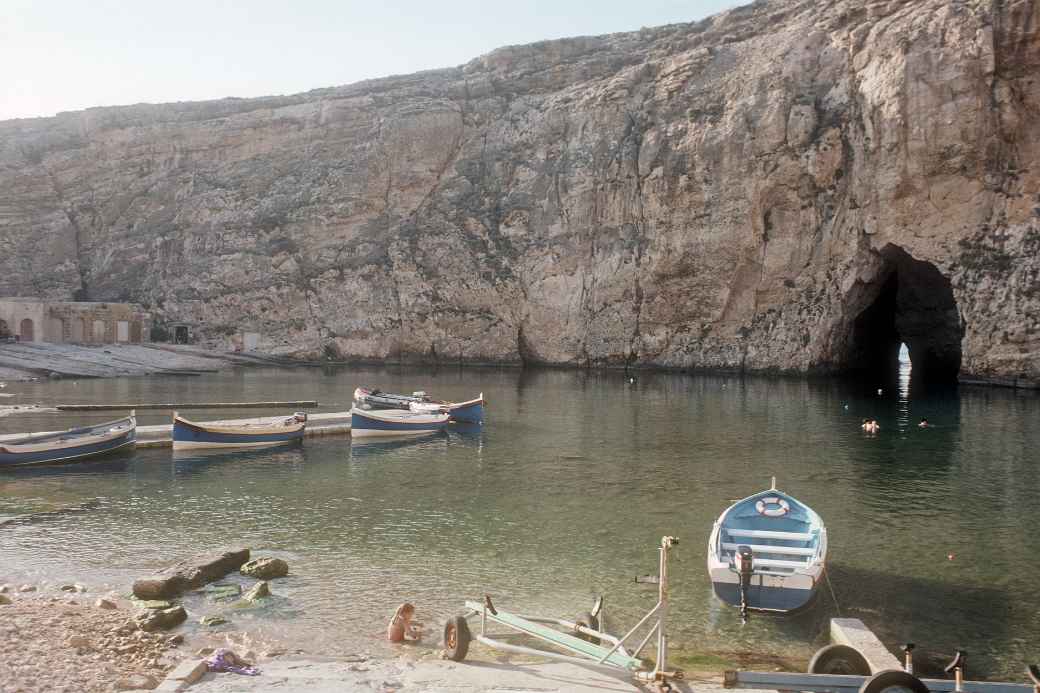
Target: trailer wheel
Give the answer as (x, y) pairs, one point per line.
(456, 638)
(893, 680)
(589, 621)
(839, 659)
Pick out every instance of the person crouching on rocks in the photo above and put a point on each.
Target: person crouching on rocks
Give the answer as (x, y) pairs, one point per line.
(402, 627)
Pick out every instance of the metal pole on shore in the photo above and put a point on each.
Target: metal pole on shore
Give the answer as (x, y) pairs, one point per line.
(302, 404)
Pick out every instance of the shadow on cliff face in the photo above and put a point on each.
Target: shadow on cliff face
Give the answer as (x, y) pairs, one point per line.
(914, 305)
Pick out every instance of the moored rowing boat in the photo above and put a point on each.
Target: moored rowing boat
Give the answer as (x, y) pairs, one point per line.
(73, 445)
(394, 422)
(283, 430)
(767, 552)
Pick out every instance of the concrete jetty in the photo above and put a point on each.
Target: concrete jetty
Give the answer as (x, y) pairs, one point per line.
(300, 404)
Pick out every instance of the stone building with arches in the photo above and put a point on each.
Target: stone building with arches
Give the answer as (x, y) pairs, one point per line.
(77, 322)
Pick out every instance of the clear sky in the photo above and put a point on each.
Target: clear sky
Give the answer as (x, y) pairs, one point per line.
(61, 55)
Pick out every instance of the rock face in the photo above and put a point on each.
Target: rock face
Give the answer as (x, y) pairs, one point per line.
(795, 185)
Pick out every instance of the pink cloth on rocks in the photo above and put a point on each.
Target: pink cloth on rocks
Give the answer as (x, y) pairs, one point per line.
(227, 660)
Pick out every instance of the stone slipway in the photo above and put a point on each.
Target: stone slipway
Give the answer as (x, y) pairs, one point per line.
(25, 360)
(404, 675)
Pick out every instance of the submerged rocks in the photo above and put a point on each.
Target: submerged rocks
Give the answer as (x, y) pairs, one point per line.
(257, 591)
(265, 568)
(222, 591)
(213, 620)
(189, 575)
(161, 619)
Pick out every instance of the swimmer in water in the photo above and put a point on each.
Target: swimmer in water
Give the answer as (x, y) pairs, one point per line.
(923, 424)
(402, 627)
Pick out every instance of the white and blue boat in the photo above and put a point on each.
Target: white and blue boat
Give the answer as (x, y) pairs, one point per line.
(258, 433)
(470, 411)
(368, 423)
(73, 445)
(767, 552)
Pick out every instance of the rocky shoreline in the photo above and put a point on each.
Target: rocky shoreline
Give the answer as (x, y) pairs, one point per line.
(78, 644)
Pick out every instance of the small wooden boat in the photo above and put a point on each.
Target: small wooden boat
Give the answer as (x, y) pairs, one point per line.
(366, 423)
(767, 552)
(73, 445)
(283, 430)
(365, 398)
(470, 411)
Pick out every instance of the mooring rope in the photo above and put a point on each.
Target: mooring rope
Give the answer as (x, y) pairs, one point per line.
(827, 576)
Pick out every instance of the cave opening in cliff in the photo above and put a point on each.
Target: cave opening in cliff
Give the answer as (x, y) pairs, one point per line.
(914, 309)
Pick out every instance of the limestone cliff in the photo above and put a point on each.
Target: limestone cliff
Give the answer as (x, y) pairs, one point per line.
(795, 184)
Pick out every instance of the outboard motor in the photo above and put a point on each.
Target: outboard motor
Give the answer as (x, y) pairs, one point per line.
(744, 561)
(300, 416)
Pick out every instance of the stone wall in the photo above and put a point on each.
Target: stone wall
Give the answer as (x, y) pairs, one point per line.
(80, 322)
(790, 185)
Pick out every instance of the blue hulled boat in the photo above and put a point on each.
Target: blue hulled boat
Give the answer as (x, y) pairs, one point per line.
(767, 552)
(190, 435)
(471, 411)
(73, 445)
(367, 423)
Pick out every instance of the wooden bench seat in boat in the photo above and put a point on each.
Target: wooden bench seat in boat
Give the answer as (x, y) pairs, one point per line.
(765, 548)
(767, 534)
(777, 563)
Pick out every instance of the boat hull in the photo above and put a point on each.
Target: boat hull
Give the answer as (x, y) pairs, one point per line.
(766, 592)
(468, 412)
(76, 453)
(386, 423)
(786, 542)
(193, 436)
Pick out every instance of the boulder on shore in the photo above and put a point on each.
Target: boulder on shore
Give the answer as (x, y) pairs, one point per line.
(189, 575)
(161, 619)
(265, 568)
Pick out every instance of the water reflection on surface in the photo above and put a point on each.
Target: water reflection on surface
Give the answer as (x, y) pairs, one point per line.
(564, 494)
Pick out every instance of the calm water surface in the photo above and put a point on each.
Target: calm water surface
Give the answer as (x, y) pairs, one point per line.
(564, 494)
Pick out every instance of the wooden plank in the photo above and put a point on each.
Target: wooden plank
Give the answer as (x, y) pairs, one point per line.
(302, 404)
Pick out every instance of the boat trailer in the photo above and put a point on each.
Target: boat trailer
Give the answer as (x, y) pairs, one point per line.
(855, 677)
(583, 639)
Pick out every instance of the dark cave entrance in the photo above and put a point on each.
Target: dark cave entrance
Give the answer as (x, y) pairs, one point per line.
(914, 306)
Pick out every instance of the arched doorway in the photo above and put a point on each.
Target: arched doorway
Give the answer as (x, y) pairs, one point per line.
(913, 304)
(26, 332)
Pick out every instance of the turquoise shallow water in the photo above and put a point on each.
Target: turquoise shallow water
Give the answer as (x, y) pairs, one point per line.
(564, 494)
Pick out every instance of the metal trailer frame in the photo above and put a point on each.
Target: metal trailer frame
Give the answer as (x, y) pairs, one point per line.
(587, 653)
(841, 683)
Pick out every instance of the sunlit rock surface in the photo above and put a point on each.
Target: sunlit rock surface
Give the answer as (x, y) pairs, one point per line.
(733, 193)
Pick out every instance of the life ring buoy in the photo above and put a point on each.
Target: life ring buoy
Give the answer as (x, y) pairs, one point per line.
(779, 509)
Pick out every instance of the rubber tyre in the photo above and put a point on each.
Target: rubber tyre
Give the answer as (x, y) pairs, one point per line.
(839, 659)
(893, 678)
(456, 638)
(589, 621)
